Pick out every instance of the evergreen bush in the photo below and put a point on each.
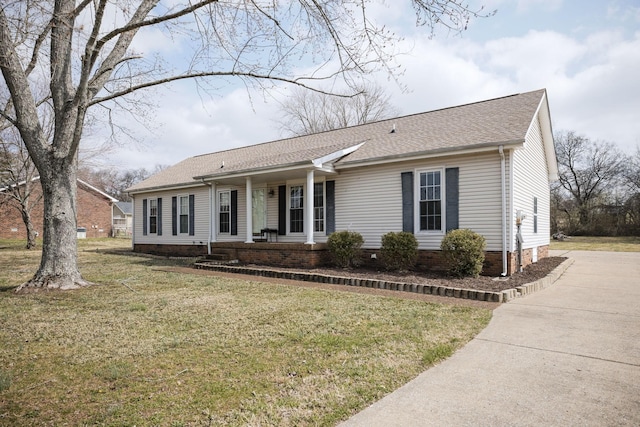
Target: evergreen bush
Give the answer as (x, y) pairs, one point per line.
(344, 247)
(399, 251)
(463, 250)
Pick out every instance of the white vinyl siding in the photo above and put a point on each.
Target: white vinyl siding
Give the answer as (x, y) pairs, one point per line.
(377, 189)
(201, 215)
(531, 181)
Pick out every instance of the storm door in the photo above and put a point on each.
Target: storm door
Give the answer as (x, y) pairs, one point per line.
(259, 203)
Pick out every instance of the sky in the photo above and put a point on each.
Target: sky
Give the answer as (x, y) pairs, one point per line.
(585, 53)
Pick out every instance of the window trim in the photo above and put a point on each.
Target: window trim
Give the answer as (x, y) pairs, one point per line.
(323, 207)
(418, 200)
(304, 207)
(149, 216)
(179, 213)
(535, 215)
(219, 212)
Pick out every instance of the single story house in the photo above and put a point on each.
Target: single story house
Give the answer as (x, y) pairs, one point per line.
(472, 166)
(94, 212)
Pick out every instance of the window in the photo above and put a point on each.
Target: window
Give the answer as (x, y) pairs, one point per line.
(318, 207)
(224, 211)
(430, 203)
(296, 209)
(535, 214)
(153, 216)
(183, 213)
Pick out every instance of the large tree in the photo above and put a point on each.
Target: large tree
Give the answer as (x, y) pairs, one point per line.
(85, 52)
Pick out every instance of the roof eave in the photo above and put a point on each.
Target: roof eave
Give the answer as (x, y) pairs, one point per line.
(442, 152)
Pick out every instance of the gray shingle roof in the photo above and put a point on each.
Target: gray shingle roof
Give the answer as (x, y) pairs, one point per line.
(492, 122)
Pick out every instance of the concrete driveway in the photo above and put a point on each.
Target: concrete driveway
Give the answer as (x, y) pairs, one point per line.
(568, 355)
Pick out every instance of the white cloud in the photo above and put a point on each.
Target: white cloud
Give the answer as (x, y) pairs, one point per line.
(591, 80)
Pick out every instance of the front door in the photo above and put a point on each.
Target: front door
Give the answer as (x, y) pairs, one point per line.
(259, 202)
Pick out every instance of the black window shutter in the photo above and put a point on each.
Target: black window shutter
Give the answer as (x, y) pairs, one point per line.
(159, 216)
(452, 196)
(282, 210)
(144, 217)
(407, 201)
(192, 215)
(234, 212)
(330, 188)
(174, 216)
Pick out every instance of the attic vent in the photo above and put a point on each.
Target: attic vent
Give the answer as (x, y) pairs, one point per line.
(393, 130)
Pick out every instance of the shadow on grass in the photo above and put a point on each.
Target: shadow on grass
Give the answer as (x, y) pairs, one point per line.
(8, 288)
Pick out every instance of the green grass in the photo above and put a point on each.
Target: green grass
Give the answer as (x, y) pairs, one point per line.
(147, 347)
(590, 243)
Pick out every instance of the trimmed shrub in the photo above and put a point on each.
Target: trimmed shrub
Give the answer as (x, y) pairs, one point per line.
(399, 251)
(344, 247)
(463, 250)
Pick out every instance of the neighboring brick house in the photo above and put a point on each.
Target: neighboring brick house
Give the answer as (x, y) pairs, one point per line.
(95, 213)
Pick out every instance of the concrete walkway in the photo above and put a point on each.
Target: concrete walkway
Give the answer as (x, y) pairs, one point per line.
(568, 355)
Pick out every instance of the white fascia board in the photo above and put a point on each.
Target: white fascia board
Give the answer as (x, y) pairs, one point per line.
(319, 162)
(483, 148)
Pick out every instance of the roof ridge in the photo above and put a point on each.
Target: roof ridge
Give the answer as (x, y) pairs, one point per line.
(368, 123)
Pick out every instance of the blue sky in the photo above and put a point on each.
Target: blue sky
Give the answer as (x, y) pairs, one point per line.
(585, 53)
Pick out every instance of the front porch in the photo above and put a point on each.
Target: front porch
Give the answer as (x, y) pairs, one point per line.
(291, 255)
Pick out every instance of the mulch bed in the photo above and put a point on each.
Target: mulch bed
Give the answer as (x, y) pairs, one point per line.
(531, 273)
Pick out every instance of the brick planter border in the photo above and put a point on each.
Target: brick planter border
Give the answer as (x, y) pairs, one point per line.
(472, 294)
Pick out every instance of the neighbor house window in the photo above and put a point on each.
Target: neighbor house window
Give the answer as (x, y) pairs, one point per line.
(224, 211)
(296, 209)
(430, 195)
(183, 212)
(535, 214)
(318, 207)
(153, 216)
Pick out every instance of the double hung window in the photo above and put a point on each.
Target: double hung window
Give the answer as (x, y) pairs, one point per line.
(153, 216)
(318, 206)
(224, 211)
(183, 213)
(430, 201)
(296, 209)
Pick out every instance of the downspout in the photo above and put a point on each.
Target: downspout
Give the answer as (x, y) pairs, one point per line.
(503, 179)
(210, 215)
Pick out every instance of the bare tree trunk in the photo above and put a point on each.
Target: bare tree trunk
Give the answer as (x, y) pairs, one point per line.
(31, 232)
(58, 266)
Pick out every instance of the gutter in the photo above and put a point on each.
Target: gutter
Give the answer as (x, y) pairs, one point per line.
(503, 186)
(431, 154)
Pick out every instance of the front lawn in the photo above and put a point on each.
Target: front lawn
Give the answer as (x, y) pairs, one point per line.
(148, 347)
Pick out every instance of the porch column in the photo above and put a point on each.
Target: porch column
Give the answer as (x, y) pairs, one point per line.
(249, 189)
(309, 202)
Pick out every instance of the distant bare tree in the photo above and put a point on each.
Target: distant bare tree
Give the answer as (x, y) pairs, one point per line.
(17, 180)
(115, 182)
(587, 170)
(306, 112)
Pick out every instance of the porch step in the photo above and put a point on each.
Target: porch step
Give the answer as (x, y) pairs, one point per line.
(212, 263)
